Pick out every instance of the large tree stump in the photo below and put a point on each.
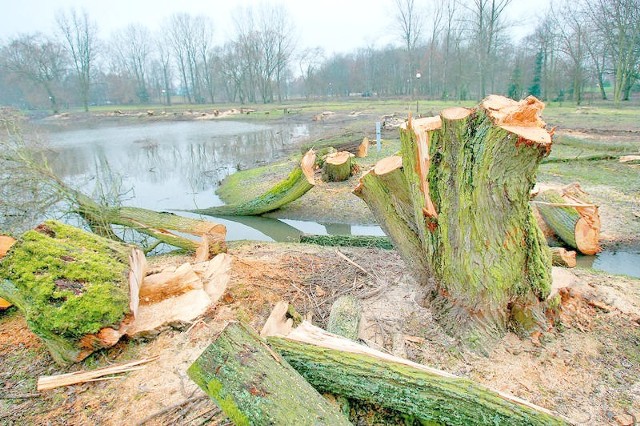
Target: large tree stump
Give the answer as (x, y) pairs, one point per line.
(340, 366)
(300, 180)
(456, 206)
(337, 167)
(255, 386)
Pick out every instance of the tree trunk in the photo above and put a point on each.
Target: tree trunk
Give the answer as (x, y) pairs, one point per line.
(70, 285)
(255, 386)
(337, 167)
(337, 365)
(563, 257)
(456, 206)
(572, 217)
(299, 181)
(81, 292)
(347, 241)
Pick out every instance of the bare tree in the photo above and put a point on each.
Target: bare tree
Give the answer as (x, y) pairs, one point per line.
(309, 61)
(487, 25)
(39, 60)
(132, 45)
(618, 23)
(409, 21)
(572, 32)
(80, 36)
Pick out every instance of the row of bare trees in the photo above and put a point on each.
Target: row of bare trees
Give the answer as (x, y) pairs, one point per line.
(448, 49)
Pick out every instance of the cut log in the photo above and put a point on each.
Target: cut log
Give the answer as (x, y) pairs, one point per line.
(340, 366)
(363, 148)
(347, 241)
(344, 318)
(337, 167)
(455, 204)
(73, 289)
(572, 217)
(563, 257)
(6, 242)
(52, 382)
(253, 385)
(299, 181)
(71, 286)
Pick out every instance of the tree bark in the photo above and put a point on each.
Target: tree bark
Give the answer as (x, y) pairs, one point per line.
(337, 167)
(456, 206)
(572, 217)
(337, 365)
(71, 285)
(299, 181)
(344, 318)
(253, 385)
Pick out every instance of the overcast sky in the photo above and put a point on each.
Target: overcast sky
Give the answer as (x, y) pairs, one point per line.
(335, 25)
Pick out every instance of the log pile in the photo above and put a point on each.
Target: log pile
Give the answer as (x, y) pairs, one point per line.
(81, 292)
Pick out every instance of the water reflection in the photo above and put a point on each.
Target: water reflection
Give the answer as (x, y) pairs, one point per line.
(613, 261)
(178, 165)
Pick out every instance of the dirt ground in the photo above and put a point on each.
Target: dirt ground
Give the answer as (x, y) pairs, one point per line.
(585, 368)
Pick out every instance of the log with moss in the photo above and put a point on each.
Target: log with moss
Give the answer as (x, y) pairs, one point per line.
(455, 203)
(253, 385)
(300, 180)
(178, 231)
(72, 286)
(337, 167)
(572, 217)
(347, 241)
(344, 318)
(342, 367)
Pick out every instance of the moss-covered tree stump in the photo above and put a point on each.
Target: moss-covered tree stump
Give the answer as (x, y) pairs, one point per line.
(72, 287)
(455, 203)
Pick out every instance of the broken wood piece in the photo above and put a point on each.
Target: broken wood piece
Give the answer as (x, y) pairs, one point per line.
(52, 382)
(300, 180)
(363, 148)
(572, 217)
(344, 318)
(254, 385)
(6, 242)
(563, 257)
(166, 284)
(340, 366)
(337, 167)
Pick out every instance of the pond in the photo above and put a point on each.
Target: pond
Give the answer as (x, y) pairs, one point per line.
(178, 165)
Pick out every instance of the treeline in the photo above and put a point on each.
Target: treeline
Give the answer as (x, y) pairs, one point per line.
(448, 49)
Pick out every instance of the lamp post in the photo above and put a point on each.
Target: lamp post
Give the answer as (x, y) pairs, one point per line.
(418, 75)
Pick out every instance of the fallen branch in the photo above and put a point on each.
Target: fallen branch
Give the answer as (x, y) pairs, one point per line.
(342, 255)
(52, 382)
(171, 407)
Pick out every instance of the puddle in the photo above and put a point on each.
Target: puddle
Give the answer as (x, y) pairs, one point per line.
(621, 262)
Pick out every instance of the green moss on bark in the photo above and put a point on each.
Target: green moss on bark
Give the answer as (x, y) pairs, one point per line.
(68, 282)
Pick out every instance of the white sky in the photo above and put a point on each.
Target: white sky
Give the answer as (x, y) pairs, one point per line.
(335, 25)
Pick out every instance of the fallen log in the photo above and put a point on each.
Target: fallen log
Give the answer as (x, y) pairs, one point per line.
(340, 366)
(572, 217)
(71, 285)
(363, 148)
(300, 180)
(337, 167)
(253, 385)
(81, 292)
(347, 241)
(563, 257)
